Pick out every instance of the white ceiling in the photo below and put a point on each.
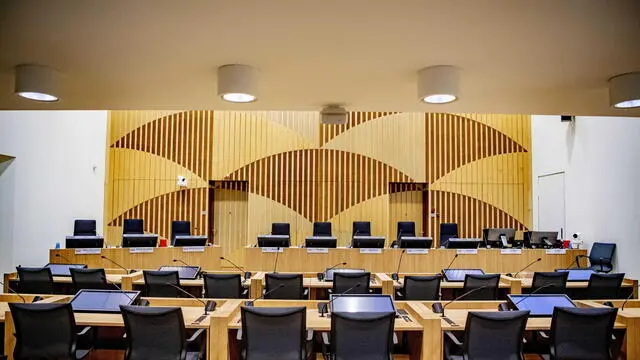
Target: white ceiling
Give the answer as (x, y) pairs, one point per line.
(516, 56)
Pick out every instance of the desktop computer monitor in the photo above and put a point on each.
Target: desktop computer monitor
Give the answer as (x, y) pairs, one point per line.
(139, 240)
(102, 301)
(539, 305)
(499, 237)
(415, 243)
(184, 272)
(189, 240)
(84, 242)
(321, 242)
(455, 243)
(275, 241)
(457, 275)
(367, 242)
(328, 274)
(578, 274)
(373, 303)
(63, 269)
(541, 239)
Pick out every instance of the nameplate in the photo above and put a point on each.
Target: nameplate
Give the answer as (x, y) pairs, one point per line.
(417, 251)
(370, 251)
(467, 252)
(272, 249)
(317, 250)
(556, 251)
(143, 250)
(96, 251)
(511, 251)
(193, 249)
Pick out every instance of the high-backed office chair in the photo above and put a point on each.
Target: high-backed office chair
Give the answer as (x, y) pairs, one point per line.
(549, 282)
(361, 228)
(46, 331)
(35, 280)
(604, 286)
(274, 333)
(490, 282)
(292, 287)
(90, 279)
(180, 228)
(600, 257)
(490, 335)
(426, 288)
(133, 226)
(406, 228)
(158, 333)
(360, 336)
(156, 283)
(281, 229)
(343, 281)
(447, 231)
(582, 333)
(322, 229)
(84, 228)
(223, 286)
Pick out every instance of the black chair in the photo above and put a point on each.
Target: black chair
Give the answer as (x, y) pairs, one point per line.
(582, 333)
(84, 228)
(360, 336)
(158, 333)
(600, 257)
(490, 335)
(488, 282)
(604, 286)
(46, 331)
(447, 231)
(35, 280)
(281, 229)
(361, 228)
(223, 286)
(292, 287)
(549, 282)
(426, 288)
(406, 228)
(322, 229)
(343, 281)
(180, 228)
(275, 333)
(133, 226)
(156, 283)
(90, 279)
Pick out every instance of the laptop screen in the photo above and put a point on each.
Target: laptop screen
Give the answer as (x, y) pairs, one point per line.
(459, 274)
(184, 272)
(102, 301)
(362, 303)
(578, 274)
(63, 269)
(540, 304)
(328, 276)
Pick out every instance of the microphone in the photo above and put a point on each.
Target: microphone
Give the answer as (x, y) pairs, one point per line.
(395, 276)
(524, 268)
(250, 302)
(15, 292)
(627, 299)
(118, 265)
(323, 308)
(247, 274)
(321, 275)
(444, 272)
(181, 262)
(438, 308)
(208, 306)
(275, 264)
(534, 292)
(64, 258)
(336, 265)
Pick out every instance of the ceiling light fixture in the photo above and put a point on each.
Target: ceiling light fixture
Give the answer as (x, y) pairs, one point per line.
(35, 82)
(624, 91)
(438, 84)
(237, 83)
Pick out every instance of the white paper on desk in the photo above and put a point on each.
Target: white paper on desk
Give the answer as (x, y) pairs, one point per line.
(556, 251)
(272, 249)
(370, 251)
(511, 251)
(417, 251)
(317, 250)
(97, 251)
(193, 249)
(143, 250)
(467, 252)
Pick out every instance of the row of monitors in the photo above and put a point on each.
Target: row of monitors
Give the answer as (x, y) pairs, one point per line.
(458, 275)
(133, 240)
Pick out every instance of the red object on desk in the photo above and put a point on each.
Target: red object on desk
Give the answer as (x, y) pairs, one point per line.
(163, 242)
(565, 244)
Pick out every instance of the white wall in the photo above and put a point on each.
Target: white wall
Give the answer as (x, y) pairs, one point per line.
(601, 160)
(58, 173)
(7, 203)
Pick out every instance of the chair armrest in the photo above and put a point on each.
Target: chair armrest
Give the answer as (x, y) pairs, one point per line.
(195, 336)
(239, 335)
(395, 338)
(245, 293)
(84, 331)
(544, 335)
(306, 293)
(325, 338)
(310, 334)
(453, 338)
(399, 295)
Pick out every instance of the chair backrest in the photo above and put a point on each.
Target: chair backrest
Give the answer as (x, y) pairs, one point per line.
(422, 287)
(361, 228)
(155, 283)
(602, 254)
(604, 286)
(84, 228)
(293, 288)
(274, 333)
(222, 286)
(343, 281)
(281, 229)
(406, 228)
(489, 281)
(362, 336)
(133, 226)
(180, 228)
(35, 280)
(322, 229)
(44, 331)
(582, 333)
(448, 231)
(154, 332)
(495, 335)
(553, 282)
(90, 279)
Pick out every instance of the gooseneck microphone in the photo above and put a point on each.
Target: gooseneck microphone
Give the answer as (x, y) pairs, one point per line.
(275, 264)
(118, 265)
(444, 272)
(251, 302)
(14, 292)
(323, 308)
(627, 299)
(438, 308)
(524, 268)
(395, 276)
(247, 274)
(207, 305)
(181, 262)
(336, 265)
(63, 258)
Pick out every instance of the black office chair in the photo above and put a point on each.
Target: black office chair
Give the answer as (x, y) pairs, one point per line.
(292, 286)
(600, 257)
(275, 333)
(158, 333)
(35, 280)
(604, 286)
(84, 228)
(133, 226)
(223, 286)
(361, 228)
(405, 228)
(46, 331)
(343, 281)
(490, 282)
(447, 231)
(549, 282)
(322, 229)
(359, 336)
(180, 228)
(426, 288)
(489, 335)
(281, 229)
(90, 279)
(156, 283)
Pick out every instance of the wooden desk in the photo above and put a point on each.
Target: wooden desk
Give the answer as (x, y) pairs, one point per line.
(525, 280)
(117, 277)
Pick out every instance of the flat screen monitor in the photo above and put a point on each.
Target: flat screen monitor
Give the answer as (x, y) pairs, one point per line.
(63, 269)
(184, 272)
(456, 243)
(539, 305)
(328, 274)
(190, 240)
(102, 301)
(321, 242)
(139, 240)
(373, 303)
(578, 274)
(367, 242)
(274, 241)
(452, 275)
(499, 237)
(84, 242)
(412, 242)
(538, 239)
